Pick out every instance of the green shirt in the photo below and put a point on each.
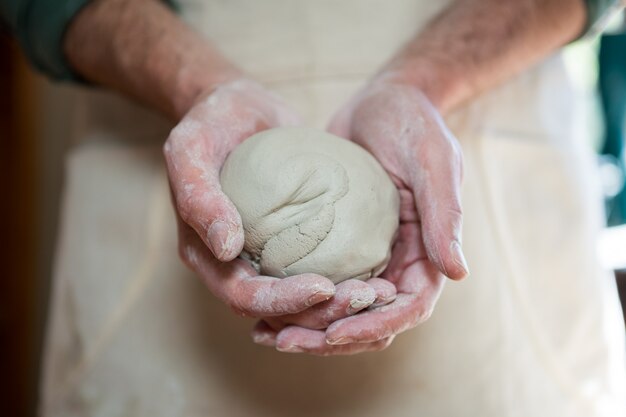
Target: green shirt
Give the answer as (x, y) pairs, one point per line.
(39, 26)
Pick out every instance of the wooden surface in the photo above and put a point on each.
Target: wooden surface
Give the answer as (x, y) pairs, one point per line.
(18, 283)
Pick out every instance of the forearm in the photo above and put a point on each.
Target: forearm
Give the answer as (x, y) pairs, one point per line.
(143, 50)
(474, 45)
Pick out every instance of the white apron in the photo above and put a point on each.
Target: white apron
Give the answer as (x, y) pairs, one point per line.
(535, 331)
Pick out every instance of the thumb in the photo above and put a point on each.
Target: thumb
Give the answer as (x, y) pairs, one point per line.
(201, 203)
(437, 190)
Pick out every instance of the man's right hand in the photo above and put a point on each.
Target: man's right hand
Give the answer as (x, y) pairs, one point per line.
(210, 228)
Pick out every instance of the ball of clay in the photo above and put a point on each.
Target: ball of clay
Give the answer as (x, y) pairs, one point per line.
(312, 202)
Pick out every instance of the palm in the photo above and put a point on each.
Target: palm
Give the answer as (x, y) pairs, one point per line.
(417, 280)
(410, 269)
(404, 133)
(210, 230)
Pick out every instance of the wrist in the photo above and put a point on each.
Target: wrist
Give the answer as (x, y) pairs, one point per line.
(144, 51)
(442, 84)
(194, 81)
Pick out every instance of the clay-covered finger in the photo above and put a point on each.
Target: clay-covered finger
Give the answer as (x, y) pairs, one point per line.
(419, 287)
(438, 201)
(193, 171)
(385, 291)
(377, 324)
(236, 284)
(351, 296)
(263, 296)
(295, 339)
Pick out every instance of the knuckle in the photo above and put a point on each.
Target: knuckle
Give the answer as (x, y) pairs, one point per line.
(238, 309)
(455, 210)
(236, 304)
(237, 300)
(199, 207)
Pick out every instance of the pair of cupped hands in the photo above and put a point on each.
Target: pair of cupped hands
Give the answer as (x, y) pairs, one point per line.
(307, 313)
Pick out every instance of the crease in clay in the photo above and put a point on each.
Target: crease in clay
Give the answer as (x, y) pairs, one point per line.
(311, 202)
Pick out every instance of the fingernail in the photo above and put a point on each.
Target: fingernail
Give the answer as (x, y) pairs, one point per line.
(359, 304)
(218, 237)
(459, 258)
(290, 349)
(318, 297)
(360, 299)
(383, 301)
(262, 339)
(339, 341)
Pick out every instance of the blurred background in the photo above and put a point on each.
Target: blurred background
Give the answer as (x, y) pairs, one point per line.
(35, 134)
